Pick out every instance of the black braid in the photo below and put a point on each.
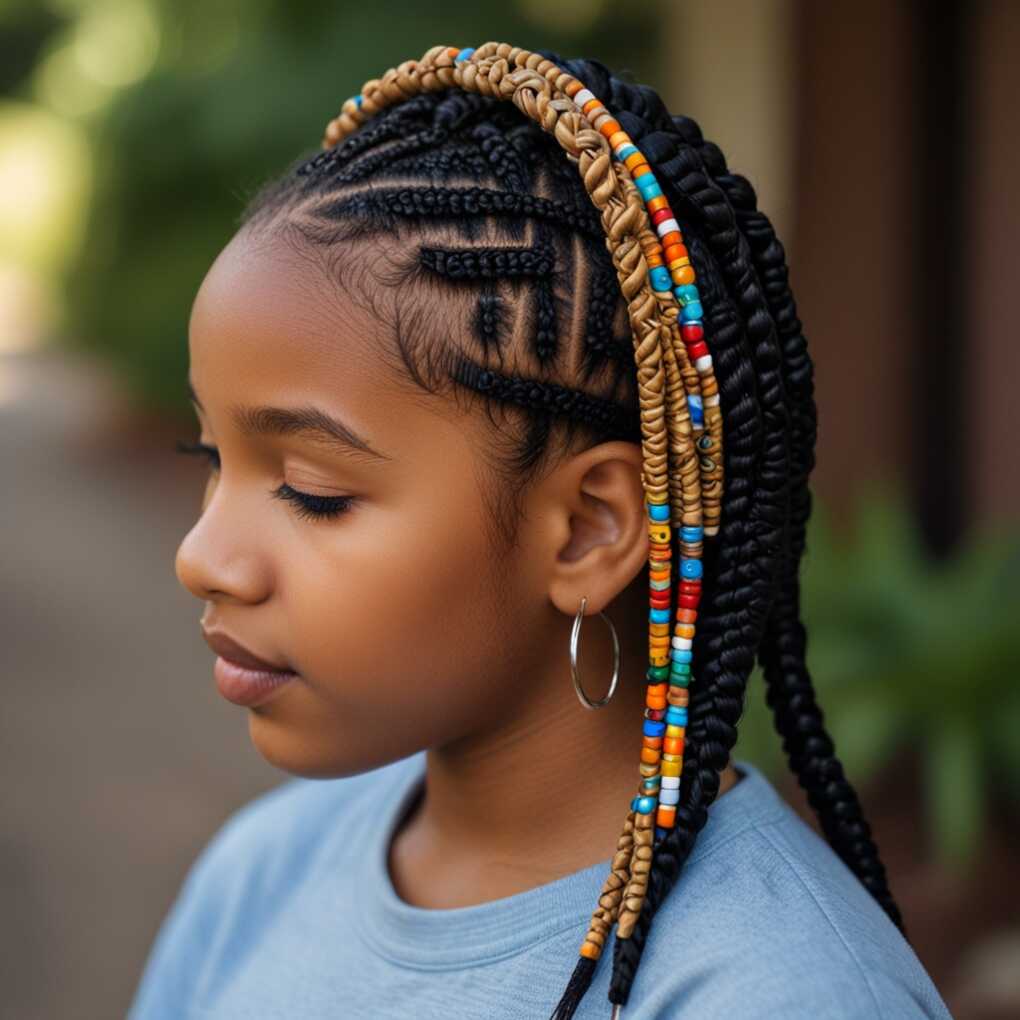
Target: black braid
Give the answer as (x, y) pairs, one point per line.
(789, 690)
(441, 151)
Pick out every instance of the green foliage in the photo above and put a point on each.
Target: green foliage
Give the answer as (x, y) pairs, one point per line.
(907, 651)
(239, 91)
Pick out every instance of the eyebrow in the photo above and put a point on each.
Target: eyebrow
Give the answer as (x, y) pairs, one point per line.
(311, 422)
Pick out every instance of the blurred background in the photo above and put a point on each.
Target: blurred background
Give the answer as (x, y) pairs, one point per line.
(881, 138)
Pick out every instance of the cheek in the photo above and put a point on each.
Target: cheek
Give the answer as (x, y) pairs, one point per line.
(397, 618)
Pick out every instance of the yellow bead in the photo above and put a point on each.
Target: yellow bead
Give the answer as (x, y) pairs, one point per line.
(658, 531)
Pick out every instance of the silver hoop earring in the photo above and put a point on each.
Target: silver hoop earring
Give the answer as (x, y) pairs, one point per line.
(574, 639)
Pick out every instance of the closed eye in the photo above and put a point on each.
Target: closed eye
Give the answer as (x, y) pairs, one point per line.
(305, 504)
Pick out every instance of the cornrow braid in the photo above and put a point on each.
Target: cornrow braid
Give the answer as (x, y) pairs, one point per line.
(510, 140)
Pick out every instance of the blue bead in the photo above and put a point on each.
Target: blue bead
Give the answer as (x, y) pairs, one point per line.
(652, 783)
(697, 418)
(660, 278)
(694, 401)
(660, 832)
(691, 533)
(358, 100)
(691, 311)
(649, 190)
(687, 292)
(645, 805)
(626, 152)
(676, 715)
(681, 655)
(463, 55)
(690, 568)
(654, 728)
(658, 511)
(658, 615)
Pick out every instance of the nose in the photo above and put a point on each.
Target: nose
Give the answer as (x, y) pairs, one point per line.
(221, 557)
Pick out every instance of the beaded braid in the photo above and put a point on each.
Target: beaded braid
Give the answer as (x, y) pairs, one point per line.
(798, 718)
(679, 400)
(790, 693)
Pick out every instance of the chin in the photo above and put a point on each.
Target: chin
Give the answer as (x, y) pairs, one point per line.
(285, 747)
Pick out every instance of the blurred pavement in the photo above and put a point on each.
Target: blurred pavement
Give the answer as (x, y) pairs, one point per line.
(119, 759)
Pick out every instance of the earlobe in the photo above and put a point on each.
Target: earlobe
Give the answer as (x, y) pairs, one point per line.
(607, 545)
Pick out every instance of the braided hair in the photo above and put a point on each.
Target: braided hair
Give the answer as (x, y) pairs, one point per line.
(494, 225)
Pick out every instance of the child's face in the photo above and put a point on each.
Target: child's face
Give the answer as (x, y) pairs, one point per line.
(390, 612)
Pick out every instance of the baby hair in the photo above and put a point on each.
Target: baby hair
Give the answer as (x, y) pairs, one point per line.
(616, 281)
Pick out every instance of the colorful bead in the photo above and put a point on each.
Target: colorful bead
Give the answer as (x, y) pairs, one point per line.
(690, 568)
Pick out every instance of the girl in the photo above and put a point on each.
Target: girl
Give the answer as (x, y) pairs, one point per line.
(514, 350)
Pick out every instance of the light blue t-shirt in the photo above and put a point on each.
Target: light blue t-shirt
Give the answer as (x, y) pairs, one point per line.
(289, 913)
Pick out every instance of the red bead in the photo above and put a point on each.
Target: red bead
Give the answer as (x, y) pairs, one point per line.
(689, 601)
(697, 349)
(661, 214)
(691, 331)
(690, 586)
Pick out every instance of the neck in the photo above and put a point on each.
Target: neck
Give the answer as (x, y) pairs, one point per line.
(540, 793)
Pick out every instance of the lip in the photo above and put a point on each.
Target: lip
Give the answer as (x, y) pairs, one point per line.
(243, 677)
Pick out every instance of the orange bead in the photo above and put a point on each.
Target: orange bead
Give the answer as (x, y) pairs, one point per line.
(654, 742)
(665, 818)
(609, 127)
(673, 745)
(654, 204)
(658, 689)
(657, 704)
(653, 261)
(670, 768)
(673, 237)
(573, 87)
(683, 275)
(589, 106)
(618, 139)
(684, 630)
(650, 755)
(635, 159)
(687, 615)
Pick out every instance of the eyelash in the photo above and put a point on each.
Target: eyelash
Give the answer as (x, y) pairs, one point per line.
(305, 503)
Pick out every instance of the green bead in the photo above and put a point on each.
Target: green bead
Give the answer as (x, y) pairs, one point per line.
(657, 672)
(682, 667)
(679, 681)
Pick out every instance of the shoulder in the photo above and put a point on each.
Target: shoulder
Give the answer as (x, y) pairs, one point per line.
(775, 924)
(261, 854)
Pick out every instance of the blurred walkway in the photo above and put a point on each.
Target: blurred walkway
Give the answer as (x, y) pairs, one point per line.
(118, 757)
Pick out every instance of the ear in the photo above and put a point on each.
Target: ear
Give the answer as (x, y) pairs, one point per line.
(595, 526)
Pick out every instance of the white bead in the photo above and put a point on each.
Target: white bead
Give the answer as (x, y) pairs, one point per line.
(666, 226)
(671, 782)
(703, 364)
(669, 796)
(683, 642)
(583, 97)
(712, 401)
